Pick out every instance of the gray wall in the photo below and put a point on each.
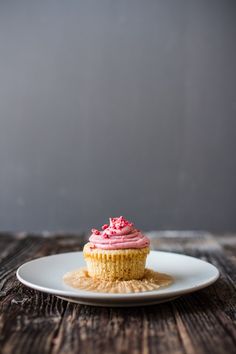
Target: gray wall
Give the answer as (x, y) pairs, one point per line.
(117, 107)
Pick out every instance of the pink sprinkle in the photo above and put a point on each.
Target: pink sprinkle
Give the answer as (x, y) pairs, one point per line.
(105, 226)
(118, 223)
(95, 231)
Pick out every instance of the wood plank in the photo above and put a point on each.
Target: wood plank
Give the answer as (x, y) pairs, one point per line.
(133, 330)
(26, 313)
(33, 322)
(184, 333)
(206, 325)
(30, 322)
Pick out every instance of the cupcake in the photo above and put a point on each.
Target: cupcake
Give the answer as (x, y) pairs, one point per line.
(117, 252)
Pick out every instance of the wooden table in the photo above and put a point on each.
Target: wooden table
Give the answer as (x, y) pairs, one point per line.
(33, 322)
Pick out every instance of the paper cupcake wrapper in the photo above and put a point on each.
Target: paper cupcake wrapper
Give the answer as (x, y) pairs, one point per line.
(80, 279)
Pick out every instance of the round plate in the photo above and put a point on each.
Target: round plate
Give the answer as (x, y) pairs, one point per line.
(190, 274)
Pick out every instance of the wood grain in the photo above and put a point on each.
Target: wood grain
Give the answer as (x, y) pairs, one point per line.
(33, 322)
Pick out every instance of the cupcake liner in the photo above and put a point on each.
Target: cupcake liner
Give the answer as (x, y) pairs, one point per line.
(80, 279)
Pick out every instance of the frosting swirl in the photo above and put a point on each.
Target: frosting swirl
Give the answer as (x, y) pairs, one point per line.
(120, 234)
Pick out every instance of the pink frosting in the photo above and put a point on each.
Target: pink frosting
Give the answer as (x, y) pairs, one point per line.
(120, 234)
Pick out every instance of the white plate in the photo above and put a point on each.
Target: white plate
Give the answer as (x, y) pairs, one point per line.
(190, 274)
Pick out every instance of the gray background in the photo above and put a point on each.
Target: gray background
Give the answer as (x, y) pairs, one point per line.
(117, 107)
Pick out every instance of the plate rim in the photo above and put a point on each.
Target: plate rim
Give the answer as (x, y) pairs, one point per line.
(116, 304)
(118, 297)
